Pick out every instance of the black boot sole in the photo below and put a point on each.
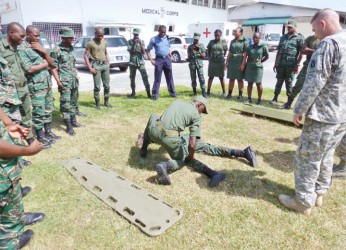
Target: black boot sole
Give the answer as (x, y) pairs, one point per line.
(163, 175)
(251, 156)
(216, 179)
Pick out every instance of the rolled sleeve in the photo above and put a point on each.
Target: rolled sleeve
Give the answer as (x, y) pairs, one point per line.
(195, 128)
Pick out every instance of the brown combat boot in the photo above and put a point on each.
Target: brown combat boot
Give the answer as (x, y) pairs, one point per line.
(291, 203)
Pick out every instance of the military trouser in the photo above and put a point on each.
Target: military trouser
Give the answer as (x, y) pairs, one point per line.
(11, 216)
(284, 74)
(196, 68)
(313, 163)
(102, 74)
(300, 81)
(25, 108)
(143, 71)
(177, 144)
(42, 104)
(69, 98)
(341, 149)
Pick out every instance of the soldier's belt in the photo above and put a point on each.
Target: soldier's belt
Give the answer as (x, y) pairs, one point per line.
(237, 54)
(99, 62)
(255, 60)
(166, 132)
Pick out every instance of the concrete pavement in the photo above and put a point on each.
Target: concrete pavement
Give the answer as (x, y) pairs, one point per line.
(120, 81)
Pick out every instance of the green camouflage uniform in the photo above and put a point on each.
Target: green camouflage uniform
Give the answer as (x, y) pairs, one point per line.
(167, 132)
(40, 87)
(311, 42)
(288, 51)
(323, 101)
(196, 65)
(11, 207)
(64, 60)
(99, 63)
(217, 51)
(9, 99)
(136, 51)
(237, 49)
(16, 65)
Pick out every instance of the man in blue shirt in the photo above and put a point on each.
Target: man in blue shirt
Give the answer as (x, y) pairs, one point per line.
(162, 62)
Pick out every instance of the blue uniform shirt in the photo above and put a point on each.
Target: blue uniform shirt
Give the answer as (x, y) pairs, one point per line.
(161, 45)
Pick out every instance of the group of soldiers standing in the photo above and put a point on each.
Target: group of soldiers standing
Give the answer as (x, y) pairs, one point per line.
(26, 106)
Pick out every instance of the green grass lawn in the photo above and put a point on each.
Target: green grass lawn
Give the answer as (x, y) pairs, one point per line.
(242, 213)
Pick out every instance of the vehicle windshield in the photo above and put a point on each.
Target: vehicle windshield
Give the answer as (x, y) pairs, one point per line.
(188, 40)
(274, 37)
(115, 41)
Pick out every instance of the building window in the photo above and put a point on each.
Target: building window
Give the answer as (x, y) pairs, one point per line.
(180, 1)
(52, 29)
(219, 4)
(201, 2)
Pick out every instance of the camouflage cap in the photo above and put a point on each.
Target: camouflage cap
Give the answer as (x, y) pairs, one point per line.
(66, 32)
(136, 31)
(204, 101)
(291, 23)
(196, 35)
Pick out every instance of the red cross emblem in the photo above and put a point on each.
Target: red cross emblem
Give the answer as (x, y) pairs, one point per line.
(206, 32)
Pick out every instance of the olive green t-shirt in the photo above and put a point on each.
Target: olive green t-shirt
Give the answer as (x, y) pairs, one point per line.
(180, 115)
(97, 49)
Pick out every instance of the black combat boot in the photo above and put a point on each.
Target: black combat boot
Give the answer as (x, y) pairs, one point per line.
(203, 93)
(215, 177)
(25, 191)
(107, 103)
(97, 102)
(275, 99)
(74, 122)
(287, 105)
(80, 113)
(41, 138)
(144, 149)
(69, 128)
(162, 169)
(148, 93)
(49, 133)
(194, 90)
(133, 94)
(248, 154)
(25, 238)
(33, 218)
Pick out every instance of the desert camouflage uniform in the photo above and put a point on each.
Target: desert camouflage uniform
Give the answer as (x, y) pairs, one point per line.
(9, 99)
(288, 51)
(64, 60)
(136, 51)
(323, 101)
(11, 207)
(40, 87)
(196, 65)
(311, 42)
(341, 149)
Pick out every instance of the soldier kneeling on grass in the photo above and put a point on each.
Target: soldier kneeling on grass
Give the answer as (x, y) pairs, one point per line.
(167, 132)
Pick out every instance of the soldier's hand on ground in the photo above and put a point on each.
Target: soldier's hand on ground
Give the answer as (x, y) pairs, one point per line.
(297, 118)
(38, 47)
(17, 132)
(34, 148)
(93, 71)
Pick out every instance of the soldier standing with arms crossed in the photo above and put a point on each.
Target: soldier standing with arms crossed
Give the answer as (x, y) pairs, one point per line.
(96, 49)
(196, 54)
(323, 102)
(36, 61)
(137, 50)
(65, 74)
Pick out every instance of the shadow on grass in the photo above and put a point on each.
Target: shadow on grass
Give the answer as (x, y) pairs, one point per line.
(280, 160)
(249, 184)
(294, 141)
(154, 156)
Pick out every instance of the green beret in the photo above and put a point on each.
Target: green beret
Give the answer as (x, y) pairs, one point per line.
(196, 35)
(66, 32)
